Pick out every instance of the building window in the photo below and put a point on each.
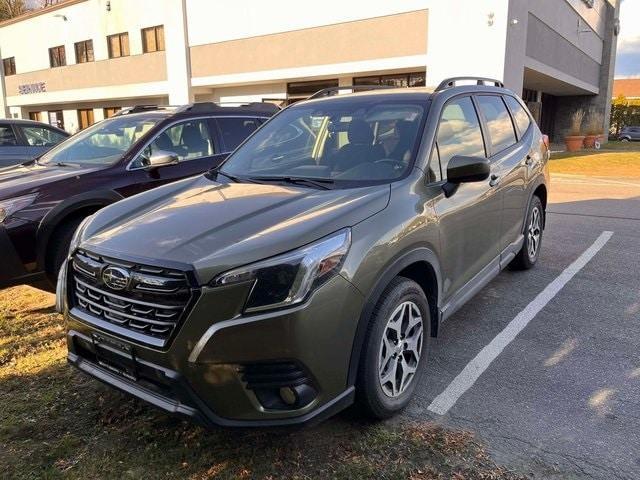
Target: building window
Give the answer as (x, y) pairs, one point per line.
(297, 91)
(118, 45)
(9, 65)
(110, 111)
(56, 119)
(85, 118)
(413, 79)
(57, 57)
(153, 39)
(35, 116)
(84, 51)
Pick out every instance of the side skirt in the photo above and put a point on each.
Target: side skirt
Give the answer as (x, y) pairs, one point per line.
(481, 279)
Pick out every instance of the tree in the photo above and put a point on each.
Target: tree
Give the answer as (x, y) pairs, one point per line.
(624, 112)
(12, 8)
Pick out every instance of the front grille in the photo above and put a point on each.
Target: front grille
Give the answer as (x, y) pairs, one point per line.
(146, 300)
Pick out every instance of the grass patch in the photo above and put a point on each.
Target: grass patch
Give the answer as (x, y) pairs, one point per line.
(615, 159)
(56, 423)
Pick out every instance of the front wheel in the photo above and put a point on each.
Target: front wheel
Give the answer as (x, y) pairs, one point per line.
(530, 251)
(394, 350)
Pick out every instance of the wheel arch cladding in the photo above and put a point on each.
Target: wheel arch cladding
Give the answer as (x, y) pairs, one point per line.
(420, 265)
(541, 193)
(67, 210)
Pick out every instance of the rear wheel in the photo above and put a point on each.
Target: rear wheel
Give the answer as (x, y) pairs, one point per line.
(59, 247)
(394, 350)
(530, 251)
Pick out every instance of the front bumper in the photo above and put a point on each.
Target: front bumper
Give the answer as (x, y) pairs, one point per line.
(13, 271)
(200, 375)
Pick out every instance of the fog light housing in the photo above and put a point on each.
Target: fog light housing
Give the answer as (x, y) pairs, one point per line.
(279, 386)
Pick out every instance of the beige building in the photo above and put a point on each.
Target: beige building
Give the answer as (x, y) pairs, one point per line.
(81, 60)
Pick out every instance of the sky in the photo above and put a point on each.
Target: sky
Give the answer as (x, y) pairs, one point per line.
(628, 59)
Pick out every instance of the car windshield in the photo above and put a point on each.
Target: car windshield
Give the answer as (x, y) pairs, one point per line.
(356, 141)
(104, 143)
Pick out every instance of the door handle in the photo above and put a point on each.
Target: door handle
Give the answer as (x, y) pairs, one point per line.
(529, 160)
(495, 180)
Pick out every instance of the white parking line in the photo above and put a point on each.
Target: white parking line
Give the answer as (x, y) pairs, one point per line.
(465, 380)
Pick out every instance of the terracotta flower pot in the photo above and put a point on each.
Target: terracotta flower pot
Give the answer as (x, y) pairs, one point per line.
(573, 142)
(590, 141)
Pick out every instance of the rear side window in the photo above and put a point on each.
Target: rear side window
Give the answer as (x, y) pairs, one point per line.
(519, 114)
(235, 130)
(7, 137)
(459, 132)
(498, 121)
(41, 136)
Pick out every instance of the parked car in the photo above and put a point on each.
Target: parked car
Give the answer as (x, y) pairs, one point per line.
(629, 134)
(310, 269)
(22, 140)
(43, 201)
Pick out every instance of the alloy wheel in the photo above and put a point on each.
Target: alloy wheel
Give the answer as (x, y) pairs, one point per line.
(400, 349)
(534, 233)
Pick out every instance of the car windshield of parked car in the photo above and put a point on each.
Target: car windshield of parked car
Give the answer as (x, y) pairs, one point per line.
(102, 144)
(361, 141)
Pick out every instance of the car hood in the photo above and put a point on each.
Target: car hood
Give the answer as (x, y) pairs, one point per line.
(212, 227)
(23, 179)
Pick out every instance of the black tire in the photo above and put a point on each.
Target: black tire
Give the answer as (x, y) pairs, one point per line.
(524, 260)
(371, 398)
(58, 248)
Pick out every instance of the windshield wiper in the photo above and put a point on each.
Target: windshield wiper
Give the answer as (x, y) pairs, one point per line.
(234, 178)
(321, 183)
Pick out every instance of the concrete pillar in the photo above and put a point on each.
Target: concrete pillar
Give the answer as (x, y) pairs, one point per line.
(4, 109)
(177, 52)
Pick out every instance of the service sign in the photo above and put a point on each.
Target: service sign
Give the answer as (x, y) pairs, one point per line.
(38, 87)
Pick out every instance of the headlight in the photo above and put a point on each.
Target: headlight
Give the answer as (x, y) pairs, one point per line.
(77, 237)
(13, 205)
(287, 279)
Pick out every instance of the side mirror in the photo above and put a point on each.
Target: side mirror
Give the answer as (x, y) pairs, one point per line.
(465, 170)
(159, 159)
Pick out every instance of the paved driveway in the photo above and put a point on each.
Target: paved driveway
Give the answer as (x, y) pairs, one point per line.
(545, 365)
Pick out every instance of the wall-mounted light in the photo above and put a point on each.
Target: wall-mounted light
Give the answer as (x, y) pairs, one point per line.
(63, 17)
(491, 18)
(514, 21)
(108, 6)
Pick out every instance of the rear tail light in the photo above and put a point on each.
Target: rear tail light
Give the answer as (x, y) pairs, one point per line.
(545, 140)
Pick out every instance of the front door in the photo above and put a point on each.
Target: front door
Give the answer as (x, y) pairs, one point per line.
(509, 163)
(470, 218)
(191, 141)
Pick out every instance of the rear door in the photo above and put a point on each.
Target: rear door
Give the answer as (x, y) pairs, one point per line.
(191, 140)
(509, 159)
(12, 151)
(469, 219)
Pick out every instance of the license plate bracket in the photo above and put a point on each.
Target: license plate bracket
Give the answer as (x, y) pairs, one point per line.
(117, 357)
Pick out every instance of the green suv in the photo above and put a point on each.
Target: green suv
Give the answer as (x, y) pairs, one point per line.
(310, 269)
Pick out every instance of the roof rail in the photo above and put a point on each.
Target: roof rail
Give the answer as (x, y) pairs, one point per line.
(328, 92)
(141, 108)
(265, 107)
(452, 82)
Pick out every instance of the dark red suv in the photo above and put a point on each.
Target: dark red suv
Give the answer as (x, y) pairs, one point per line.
(43, 201)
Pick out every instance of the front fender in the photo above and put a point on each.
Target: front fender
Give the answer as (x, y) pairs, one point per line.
(94, 199)
(391, 270)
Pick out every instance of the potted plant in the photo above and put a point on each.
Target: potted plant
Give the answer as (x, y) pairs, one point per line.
(573, 141)
(594, 129)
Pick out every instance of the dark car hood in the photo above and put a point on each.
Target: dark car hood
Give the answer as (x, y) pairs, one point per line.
(214, 227)
(25, 178)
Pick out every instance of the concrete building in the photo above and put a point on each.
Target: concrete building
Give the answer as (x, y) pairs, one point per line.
(79, 61)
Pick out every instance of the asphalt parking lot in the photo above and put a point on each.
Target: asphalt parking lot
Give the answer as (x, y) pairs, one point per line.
(562, 398)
